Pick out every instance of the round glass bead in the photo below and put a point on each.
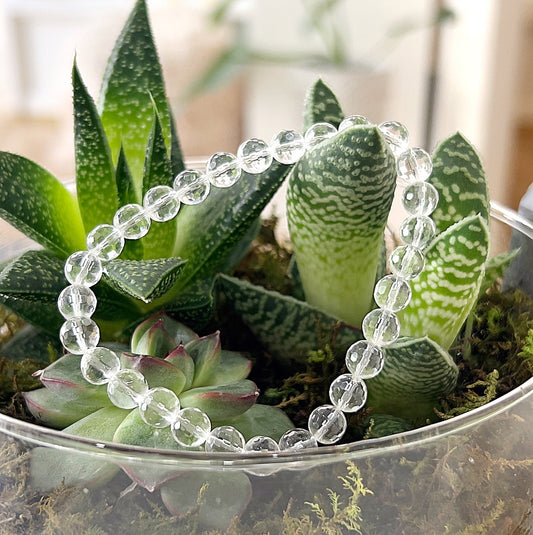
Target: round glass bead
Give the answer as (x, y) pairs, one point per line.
(392, 293)
(191, 186)
(224, 439)
(261, 444)
(420, 198)
(105, 241)
(127, 388)
(161, 203)
(159, 406)
(353, 120)
(132, 221)
(79, 335)
(414, 164)
(254, 156)
(327, 424)
(418, 231)
(76, 301)
(223, 169)
(364, 359)
(99, 365)
(190, 427)
(348, 393)
(381, 327)
(288, 146)
(318, 133)
(396, 135)
(297, 439)
(407, 261)
(83, 268)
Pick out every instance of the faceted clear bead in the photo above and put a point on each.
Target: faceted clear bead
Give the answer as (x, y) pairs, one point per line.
(381, 327)
(418, 231)
(99, 365)
(288, 146)
(353, 120)
(364, 359)
(105, 241)
(79, 335)
(224, 439)
(327, 424)
(127, 388)
(261, 444)
(83, 268)
(161, 203)
(297, 439)
(254, 156)
(132, 221)
(159, 406)
(348, 393)
(407, 262)
(396, 136)
(420, 198)
(223, 169)
(190, 427)
(318, 133)
(191, 186)
(392, 293)
(414, 164)
(76, 301)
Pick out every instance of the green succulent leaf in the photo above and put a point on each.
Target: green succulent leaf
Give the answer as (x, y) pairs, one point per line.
(176, 156)
(205, 352)
(156, 371)
(261, 420)
(53, 411)
(222, 402)
(158, 171)
(133, 80)
(338, 200)
(96, 186)
(445, 292)
(495, 268)
(383, 425)
(224, 217)
(53, 469)
(286, 327)
(416, 374)
(322, 106)
(181, 496)
(183, 361)
(460, 180)
(32, 343)
(144, 279)
(37, 204)
(232, 367)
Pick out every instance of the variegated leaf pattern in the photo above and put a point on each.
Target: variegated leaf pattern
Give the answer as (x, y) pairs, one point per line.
(459, 178)
(416, 374)
(447, 289)
(322, 106)
(338, 201)
(286, 327)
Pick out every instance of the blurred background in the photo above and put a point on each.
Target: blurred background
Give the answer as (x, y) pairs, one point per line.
(240, 68)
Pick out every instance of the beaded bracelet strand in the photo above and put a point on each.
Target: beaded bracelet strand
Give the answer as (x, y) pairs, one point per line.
(160, 407)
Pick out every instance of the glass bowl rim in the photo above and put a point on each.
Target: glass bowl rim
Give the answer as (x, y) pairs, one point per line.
(42, 436)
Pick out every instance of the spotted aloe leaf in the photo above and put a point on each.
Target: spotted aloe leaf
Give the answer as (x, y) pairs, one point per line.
(459, 178)
(287, 327)
(144, 279)
(322, 106)
(338, 201)
(133, 80)
(36, 203)
(96, 187)
(416, 374)
(445, 292)
(52, 469)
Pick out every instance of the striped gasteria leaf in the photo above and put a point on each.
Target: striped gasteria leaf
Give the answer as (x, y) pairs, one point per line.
(445, 292)
(338, 201)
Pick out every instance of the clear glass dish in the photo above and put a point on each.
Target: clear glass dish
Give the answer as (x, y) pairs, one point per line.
(470, 474)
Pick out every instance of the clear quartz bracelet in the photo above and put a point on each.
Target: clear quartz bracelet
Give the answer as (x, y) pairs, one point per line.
(160, 407)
